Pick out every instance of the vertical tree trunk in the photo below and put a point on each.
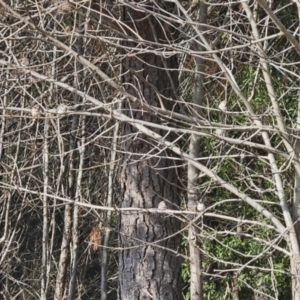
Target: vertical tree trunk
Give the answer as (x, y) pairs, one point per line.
(148, 270)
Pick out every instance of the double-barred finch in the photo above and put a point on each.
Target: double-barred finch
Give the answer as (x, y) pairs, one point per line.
(36, 111)
(194, 5)
(201, 207)
(162, 205)
(61, 110)
(220, 132)
(223, 106)
(64, 7)
(24, 62)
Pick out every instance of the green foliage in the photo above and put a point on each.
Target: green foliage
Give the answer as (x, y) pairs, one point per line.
(185, 271)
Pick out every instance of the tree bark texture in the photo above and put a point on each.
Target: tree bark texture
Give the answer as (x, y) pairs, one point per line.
(148, 269)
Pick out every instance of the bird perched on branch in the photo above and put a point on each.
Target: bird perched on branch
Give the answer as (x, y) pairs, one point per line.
(223, 105)
(162, 205)
(36, 111)
(201, 207)
(194, 5)
(24, 62)
(61, 110)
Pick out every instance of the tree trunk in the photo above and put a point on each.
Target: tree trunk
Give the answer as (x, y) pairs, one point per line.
(149, 269)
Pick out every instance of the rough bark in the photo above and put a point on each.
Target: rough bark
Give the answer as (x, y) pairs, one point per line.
(148, 270)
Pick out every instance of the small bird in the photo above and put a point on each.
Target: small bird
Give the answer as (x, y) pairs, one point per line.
(24, 62)
(194, 5)
(220, 132)
(61, 110)
(162, 205)
(201, 207)
(223, 106)
(64, 8)
(36, 111)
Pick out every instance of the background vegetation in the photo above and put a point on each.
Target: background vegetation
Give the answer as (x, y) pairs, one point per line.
(206, 90)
